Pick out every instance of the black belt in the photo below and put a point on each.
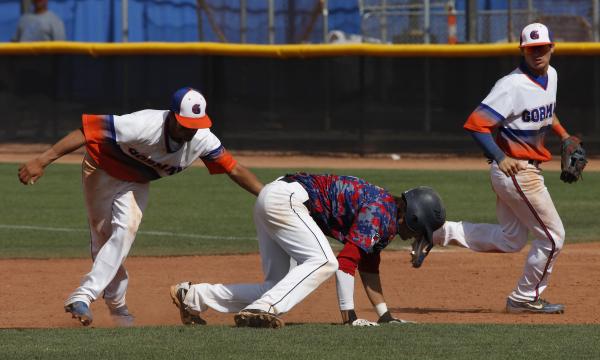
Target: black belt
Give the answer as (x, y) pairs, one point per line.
(287, 180)
(290, 180)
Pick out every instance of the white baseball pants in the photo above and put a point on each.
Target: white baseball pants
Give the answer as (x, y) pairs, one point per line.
(285, 231)
(115, 210)
(523, 205)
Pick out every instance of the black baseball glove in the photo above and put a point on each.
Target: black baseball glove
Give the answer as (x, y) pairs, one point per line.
(573, 159)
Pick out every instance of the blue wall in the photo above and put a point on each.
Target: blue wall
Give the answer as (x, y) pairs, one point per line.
(176, 20)
(172, 20)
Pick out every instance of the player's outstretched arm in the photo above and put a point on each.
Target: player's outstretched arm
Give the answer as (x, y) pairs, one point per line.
(32, 170)
(373, 288)
(345, 291)
(246, 179)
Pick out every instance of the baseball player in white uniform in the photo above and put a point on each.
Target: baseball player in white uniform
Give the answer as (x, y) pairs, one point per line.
(123, 154)
(522, 107)
(293, 215)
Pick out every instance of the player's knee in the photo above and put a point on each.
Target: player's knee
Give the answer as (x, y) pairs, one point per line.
(513, 247)
(331, 266)
(559, 237)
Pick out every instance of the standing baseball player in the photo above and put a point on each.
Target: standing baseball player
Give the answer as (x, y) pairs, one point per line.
(293, 215)
(522, 107)
(123, 154)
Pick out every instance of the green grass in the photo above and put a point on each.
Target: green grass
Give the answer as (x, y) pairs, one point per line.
(419, 341)
(196, 213)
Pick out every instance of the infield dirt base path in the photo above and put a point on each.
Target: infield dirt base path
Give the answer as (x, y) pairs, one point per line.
(453, 286)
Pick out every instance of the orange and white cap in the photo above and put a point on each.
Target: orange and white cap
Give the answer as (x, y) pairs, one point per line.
(189, 107)
(535, 34)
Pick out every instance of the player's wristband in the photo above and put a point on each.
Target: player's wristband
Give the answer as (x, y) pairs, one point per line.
(381, 309)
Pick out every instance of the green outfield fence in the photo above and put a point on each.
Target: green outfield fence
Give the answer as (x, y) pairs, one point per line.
(358, 98)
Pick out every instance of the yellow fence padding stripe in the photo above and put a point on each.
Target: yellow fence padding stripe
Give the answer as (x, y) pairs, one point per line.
(284, 51)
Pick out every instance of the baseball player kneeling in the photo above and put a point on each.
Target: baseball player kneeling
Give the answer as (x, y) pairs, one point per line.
(293, 215)
(123, 154)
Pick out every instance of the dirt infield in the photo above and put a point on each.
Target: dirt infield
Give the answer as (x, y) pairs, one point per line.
(454, 286)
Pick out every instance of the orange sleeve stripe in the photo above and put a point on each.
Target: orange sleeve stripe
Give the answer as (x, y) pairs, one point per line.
(480, 122)
(559, 129)
(223, 164)
(94, 128)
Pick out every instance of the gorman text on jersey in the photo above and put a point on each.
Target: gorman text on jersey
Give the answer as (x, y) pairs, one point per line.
(538, 114)
(165, 167)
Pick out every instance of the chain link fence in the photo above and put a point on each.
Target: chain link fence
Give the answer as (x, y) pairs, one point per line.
(426, 21)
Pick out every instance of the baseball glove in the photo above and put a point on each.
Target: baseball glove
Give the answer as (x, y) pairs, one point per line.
(573, 159)
(420, 249)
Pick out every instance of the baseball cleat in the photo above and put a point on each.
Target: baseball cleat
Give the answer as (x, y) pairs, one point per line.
(122, 317)
(538, 306)
(257, 319)
(178, 293)
(80, 311)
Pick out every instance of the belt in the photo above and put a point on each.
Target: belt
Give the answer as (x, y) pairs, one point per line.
(289, 181)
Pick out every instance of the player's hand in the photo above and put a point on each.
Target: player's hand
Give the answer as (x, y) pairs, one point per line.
(510, 166)
(31, 171)
(363, 322)
(387, 318)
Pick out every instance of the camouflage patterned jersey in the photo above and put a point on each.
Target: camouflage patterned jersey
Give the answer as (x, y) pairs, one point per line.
(350, 209)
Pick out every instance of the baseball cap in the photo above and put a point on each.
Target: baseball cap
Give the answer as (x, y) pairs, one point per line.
(535, 34)
(189, 107)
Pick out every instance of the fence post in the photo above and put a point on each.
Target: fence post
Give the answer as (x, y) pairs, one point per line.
(271, 13)
(243, 21)
(383, 21)
(596, 19)
(125, 19)
(426, 21)
(471, 22)
(325, 10)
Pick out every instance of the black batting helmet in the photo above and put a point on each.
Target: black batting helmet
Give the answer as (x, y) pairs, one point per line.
(425, 211)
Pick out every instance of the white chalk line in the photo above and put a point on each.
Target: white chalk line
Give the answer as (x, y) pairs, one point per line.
(150, 233)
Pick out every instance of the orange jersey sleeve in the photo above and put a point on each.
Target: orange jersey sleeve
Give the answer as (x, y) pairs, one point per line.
(219, 161)
(483, 119)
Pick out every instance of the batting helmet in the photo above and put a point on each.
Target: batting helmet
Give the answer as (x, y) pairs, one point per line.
(425, 211)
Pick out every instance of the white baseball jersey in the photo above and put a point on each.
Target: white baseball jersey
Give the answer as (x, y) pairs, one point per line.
(134, 147)
(521, 106)
(123, 154)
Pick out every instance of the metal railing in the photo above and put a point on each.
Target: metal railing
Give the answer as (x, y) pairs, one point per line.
(426, 21)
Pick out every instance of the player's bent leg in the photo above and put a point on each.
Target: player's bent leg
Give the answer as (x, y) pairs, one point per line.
(537, 210)
(481, 237)
(227, 298)
(288, 221)
(114, 297)
(128, 209)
